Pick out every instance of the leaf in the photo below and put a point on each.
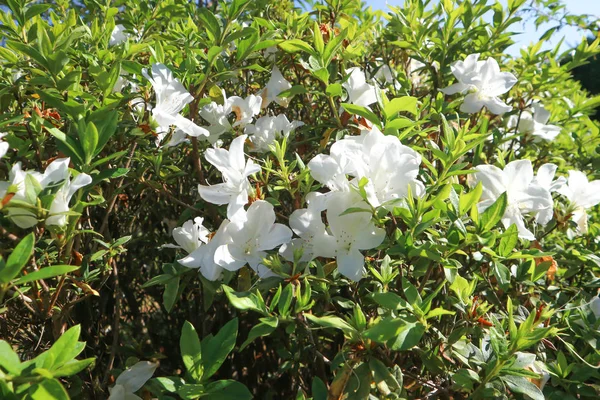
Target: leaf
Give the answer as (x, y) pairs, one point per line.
(9, 360)
(191, 351)
(170, 293)
(400, 104)
(216, 349)
(519, 384)
(210, 22)
(384, 380)
(385, 330)
(295, 45)
(73, 367)
(391, 301)
(468, 200)
(245, 300)
(331, 322)
(17, 259)
(226, 390)
(48, 389)
(409, 336)
(493, 214)
(263, 328)
(363, 112)
(508, 241)
(65, 349)
(285, 301)
(46, 272)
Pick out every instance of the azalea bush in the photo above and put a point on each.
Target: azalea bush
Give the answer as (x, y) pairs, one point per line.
(253, 199)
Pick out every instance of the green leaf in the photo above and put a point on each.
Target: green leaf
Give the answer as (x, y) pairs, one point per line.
(385, 330)
(17, 259)
(170, 293)
(331, 322)
(493, 214)
(73, 367)
(468, 200)
(363, 112)
(295, 45)
(216, 349)
(409, 336)
(285, 301)
(391, 301)
(508, 241)
(245, 300)
(210, 23)
(46, 272)
(9, 360)
(65, 349)
(400, 104)
(335, 90)
(519, 384)
(263, 328)
(191, 351)
(226, 390)
(384, 380)
(48, 389)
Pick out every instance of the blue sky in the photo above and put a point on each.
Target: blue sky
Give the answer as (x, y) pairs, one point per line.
(528, 31)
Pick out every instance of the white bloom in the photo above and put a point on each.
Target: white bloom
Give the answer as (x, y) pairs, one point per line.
(190, 236)
(131, 380)
(235, 170)
(3, 145)
(582, 194)
(524, 195)
(545, 179)
(57, 172)
(388, 165)
(314, 240)
(204, 256)
(118, 35)
(171, 97)
(485, 82)
(276, 85)
(217, 116)
(251, 233)
(245, 109)
(267, 129)
(414, 72)
(527, 361)
(359, 91)
(351, 233)
(534, 125)
(60, 204)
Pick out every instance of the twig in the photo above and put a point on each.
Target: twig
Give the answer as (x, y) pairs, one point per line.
(116, 323)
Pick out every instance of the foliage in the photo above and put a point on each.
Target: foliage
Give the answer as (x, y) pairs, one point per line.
(363, 204)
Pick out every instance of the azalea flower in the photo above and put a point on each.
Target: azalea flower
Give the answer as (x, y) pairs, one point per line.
(57, 172)
(359, 91)
(217, 116)
(3, 145)
(582, 194)
(276, 85)
(190, 236)
(203, 257)
(524, 194)
(545, 179)
(245, 109)
(389, 167)
(527, 361)
(235, 170)
(131, 380)
(351, 233)
(485, 82)
(251, 233)
(171, 97)
(314, 240)
(535, 124)
(267, 129)
(118, 35)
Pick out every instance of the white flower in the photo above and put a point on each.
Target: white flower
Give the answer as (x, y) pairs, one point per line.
(171, 97)
(414, 71)
(314, 240)
(389, 166)
(276, 85)
(118, 35)
(534, 125)
(359, 91)
(217, 116)
(60, 204)
(486, 83)
(251, 233)
(3, 145)
(524, 195)
(190, 236)
(545, 179)
(267, 129)
(204, 256)
(57, 172)
(245, 109)
(527, 361)
(582, 194)
(131, 380)
(350, 233)
(235, 170)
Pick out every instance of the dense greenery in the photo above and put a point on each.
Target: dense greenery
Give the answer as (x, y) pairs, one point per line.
(435, 254)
